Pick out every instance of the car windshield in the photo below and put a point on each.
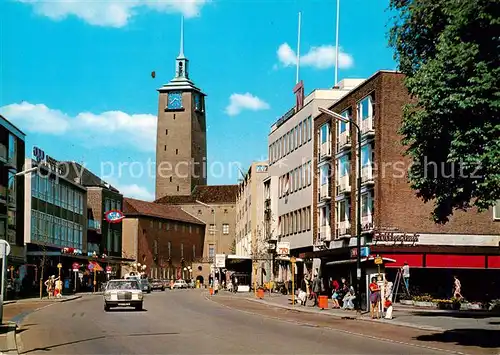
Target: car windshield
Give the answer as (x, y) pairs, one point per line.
(123, 285)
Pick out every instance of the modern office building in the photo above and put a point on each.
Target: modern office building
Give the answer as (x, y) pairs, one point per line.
(291, 147)
(12, 151)
(395, 223)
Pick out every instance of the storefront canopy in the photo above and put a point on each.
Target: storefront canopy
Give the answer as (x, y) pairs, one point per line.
(363, 260)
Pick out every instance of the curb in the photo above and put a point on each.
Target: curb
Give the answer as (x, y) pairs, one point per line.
(347, 316)
(10, 339)
(53, 300)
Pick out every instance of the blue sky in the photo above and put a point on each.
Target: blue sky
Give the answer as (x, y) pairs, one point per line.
(76, 76)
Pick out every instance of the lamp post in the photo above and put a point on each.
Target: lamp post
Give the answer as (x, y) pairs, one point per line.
(338, 117)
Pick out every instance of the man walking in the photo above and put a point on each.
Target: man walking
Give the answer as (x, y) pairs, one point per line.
(406, 276)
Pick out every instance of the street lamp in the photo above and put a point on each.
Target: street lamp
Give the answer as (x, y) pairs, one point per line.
(338, 117)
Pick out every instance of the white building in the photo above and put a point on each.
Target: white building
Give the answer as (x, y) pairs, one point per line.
(291, 144)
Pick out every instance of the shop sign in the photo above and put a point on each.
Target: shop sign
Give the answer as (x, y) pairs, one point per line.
(50, 162)
(108, 269)
(220, 260)
(283, 248)
(394, 237)
(365, 252)
(76, 267)
(379, 260)
(114, 216)
(367, 227)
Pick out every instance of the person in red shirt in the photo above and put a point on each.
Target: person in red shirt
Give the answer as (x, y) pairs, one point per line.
(374, 298)
(335, 294)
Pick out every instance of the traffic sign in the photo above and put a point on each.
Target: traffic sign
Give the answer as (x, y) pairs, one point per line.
(76, 267)
(108, 269)
(378, 260)
(59, 266)
(91, 267)
(4, 248)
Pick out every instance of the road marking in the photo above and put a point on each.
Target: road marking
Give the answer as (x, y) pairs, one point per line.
(338, 330)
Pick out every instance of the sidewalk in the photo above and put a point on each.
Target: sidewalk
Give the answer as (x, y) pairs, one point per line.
(432, 320)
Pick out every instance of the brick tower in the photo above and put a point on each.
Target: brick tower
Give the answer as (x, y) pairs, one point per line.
(181, 141)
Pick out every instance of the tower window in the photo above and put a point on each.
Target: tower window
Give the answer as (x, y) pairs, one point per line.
(174, 116)
(170, 179)
(177, 187)
(166, 132)
(165, 148)
(176, 151)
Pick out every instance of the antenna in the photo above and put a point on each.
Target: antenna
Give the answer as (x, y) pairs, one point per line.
(337, 45)
(181, 51)
(298, 48)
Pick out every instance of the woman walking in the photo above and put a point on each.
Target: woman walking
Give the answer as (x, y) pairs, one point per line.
(374, 298)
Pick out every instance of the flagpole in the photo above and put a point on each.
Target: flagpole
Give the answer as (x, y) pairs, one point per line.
(337, 44)
(298, 48)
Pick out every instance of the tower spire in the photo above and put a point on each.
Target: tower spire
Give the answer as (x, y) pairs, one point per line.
(181, 51)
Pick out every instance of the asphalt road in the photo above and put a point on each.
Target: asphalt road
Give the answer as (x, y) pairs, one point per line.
(183, 322)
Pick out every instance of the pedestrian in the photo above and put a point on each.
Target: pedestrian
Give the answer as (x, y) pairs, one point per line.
(457, 288)
(303, 292)
(374, 298)
(316, 289)
(235, 287)
(335, 295)
(406, 276)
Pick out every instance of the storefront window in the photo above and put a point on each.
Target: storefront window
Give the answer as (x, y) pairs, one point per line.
(12, 149)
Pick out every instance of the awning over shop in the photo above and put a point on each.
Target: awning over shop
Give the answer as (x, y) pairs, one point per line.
(414, 260)
(455, 261)
(363, 260)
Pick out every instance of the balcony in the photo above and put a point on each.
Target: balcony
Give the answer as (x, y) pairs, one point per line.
(325, 233)
(343, 184)
(324, 192)
(367, 127)
(367, 223)
(325, 150)
(94, 225)
(343, 229)
(344, 141)
(367, 175)
(3, 153)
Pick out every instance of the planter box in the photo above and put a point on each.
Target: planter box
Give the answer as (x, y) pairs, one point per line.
(449, 306)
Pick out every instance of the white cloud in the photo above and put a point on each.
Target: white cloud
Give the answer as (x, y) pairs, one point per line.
(111, 13)
(138, 130)
(322, 57)
(135, 191)
(240, 102)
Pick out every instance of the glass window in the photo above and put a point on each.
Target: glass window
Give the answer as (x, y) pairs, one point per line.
(365, 108)
(64, 194)
(194, 251)
(43, 188)
(299, 134)
(116, 242)
(365, 155)
(310, 128)
(496, 211)
(324, 172)
(365, 205)
(12, 187)
(343, 125)
(344, 165)
(107, 205)
(182, 250)
(225, 228)
(211, 251)
(324, 133)
(119, 205)
(212, 229)
(12, 149)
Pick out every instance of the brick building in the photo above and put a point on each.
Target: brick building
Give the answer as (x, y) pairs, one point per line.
(166, 239)
(395, 223)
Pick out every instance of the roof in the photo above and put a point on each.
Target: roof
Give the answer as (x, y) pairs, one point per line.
(88, 178)
(205, 193)
(12, 128)
(133, 207)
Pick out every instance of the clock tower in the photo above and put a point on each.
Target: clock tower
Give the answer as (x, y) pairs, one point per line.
(181, 140)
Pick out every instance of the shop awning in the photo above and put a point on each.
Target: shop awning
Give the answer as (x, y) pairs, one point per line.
(413, 260)
(455, 261)
(363, 260)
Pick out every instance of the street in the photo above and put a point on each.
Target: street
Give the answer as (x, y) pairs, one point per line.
(184, 322)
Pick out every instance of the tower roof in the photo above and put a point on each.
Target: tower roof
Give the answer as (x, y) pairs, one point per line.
(181, 80)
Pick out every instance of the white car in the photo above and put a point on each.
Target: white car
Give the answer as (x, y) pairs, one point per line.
(180, 284)
(123, 293)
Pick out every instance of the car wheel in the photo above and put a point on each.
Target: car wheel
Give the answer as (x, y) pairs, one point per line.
(106, 308)
(138, 307)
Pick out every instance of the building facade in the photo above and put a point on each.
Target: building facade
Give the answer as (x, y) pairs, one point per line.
(395, 223)
(251, 234)
(181, 141)
(12, 151)
(166, 239)
(291, 144)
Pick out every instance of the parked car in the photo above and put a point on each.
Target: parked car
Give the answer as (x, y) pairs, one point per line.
(180, 284)
(157, 285)
(145, 285)
(123, 293)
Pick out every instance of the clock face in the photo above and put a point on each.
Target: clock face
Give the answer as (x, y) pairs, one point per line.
(174, 100)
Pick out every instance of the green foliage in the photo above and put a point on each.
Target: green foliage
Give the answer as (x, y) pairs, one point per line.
(449, 51)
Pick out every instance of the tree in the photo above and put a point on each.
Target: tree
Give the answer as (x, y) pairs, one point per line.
(232, 248)
(449, 51)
